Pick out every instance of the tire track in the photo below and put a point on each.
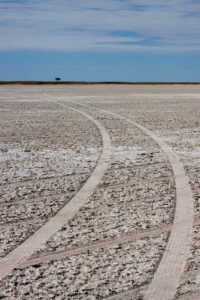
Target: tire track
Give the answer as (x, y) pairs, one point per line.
(94, 246)
(37, 241)
(189, 296)
(167, 276)
(70, 194)
(42, 179)
(40, 198)
(130, 295)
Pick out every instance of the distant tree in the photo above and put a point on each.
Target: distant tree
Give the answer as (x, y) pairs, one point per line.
(58, 79)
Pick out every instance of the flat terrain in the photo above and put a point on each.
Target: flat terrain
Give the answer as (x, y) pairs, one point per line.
(100, 192)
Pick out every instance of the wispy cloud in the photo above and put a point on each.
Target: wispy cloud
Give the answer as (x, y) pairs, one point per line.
(92, 25)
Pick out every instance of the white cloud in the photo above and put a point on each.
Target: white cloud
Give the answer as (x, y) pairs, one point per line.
(77, 25)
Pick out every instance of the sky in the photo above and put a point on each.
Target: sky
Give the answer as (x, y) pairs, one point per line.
(100, 40)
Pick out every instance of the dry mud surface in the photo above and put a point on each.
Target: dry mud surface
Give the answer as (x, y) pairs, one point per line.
(112, 247)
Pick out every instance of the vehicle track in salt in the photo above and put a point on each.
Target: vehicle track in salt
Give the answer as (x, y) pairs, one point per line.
(37, 241)
(130, 295)
(29, 200)
(167, 276)
(125, 238)
(36, 219)
(42, 179)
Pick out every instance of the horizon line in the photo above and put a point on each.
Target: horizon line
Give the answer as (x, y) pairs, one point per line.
(38, 82)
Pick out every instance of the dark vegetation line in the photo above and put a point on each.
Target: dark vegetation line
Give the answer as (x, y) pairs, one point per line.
(92, 82)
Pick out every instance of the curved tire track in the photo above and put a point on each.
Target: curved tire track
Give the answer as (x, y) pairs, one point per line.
(171, 267)
(38, 239)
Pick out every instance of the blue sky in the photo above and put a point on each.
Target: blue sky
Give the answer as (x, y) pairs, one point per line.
(120, 40)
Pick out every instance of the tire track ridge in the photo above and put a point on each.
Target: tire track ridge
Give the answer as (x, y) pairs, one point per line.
(62, 176)
(19, 183)
(37, 199)
(129, 294)
(70, 194)
(167, 276)
(37, 241)
(94, 246)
